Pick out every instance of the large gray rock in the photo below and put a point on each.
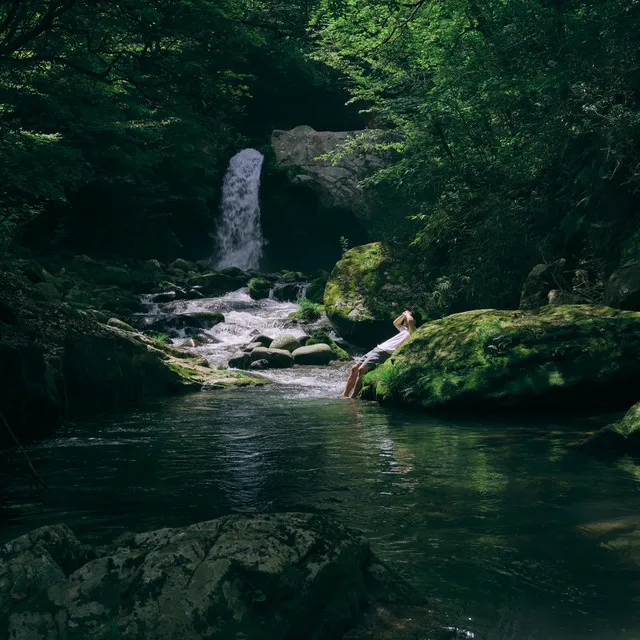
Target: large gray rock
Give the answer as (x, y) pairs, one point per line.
(272, 577)
(277, 358)
(240, 360)
(315, 354)
(337, 182)
(623, 288)
(287, 342)
(540, 281)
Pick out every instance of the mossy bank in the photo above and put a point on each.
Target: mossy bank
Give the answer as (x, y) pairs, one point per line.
(567, 356)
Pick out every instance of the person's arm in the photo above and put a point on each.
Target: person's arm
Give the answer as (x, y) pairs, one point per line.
(397, 323)
(411, 323)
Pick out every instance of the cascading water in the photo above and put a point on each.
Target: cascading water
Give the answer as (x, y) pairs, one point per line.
(239, 239)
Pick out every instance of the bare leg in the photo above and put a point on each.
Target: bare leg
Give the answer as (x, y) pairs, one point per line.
(362, 369)
(351, 381)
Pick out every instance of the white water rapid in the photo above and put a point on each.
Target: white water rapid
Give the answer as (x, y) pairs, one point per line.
(244, 320)
(239, 239)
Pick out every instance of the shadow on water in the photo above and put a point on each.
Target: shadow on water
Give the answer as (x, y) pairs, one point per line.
(511, 533)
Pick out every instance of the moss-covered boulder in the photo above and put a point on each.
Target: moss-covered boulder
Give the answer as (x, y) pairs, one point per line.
(580, 354)
(616, 439)
(367, 289)
(314, 354)
(322, 337)
(259, 288)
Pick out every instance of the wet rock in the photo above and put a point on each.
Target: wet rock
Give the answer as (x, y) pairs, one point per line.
(161, 298)
(259, 365)
(287, 292)
(265, 341)
(580, 353)
(236, 273)
(259, 288)
(240, 360)
(316, 354)
(182, 265)
(273, 577)
(277, 358)
(541, 279)
(286, 341)
(201, 339)
(616, 439)
(197, 320)
(251, 346)
(322, 337)
(119, 324)
(194, 294)
(216, 284)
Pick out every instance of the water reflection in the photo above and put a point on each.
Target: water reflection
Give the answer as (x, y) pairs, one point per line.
(511, 533)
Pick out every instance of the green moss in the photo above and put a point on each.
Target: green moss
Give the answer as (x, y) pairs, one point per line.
(259, 288)
(322, 337)
(308, 311)
(506, 357)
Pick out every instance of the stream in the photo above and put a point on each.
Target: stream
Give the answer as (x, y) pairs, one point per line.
(495, 520)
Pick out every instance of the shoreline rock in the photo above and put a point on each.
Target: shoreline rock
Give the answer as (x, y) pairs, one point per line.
(267, 577)
(497, 359)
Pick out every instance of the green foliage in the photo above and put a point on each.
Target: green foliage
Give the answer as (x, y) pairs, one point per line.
(117, 120)
(308, 311)
(516, 125)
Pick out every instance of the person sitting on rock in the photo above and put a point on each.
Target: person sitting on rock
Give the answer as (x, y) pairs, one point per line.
(405, 324)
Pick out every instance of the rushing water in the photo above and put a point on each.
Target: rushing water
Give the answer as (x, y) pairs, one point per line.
(239, 238)
(496, 520)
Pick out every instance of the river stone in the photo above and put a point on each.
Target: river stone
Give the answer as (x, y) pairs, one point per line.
(251, 346)
(277, 358)
(161, 298)
(182, 265)
(216, 284)
(285, 341)
(265, 341)
(259, 288)
(315, 354)
(541, 279)
(273, 577)
(197, 320)
(286, 292)
(259, 365)
(487, 358)
(240, 360)
(616, 439)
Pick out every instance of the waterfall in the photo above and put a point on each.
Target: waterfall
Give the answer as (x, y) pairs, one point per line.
(239, 240)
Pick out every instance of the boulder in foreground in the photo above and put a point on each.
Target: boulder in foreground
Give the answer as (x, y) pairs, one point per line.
(587, 355)
(271, 577)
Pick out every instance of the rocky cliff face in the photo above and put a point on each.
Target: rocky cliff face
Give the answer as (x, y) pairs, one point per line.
(305, 150)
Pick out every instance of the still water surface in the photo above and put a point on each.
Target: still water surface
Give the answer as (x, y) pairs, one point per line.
(497, 521)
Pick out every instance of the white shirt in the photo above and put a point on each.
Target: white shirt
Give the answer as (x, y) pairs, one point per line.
(392, 344)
